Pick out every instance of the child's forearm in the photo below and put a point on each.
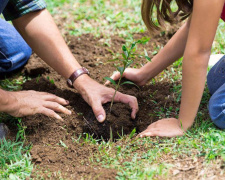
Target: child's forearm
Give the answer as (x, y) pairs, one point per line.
(173, 51)
(193, 83)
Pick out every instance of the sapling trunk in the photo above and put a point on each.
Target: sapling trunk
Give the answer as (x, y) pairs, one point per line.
(117, 87)
(127, 54)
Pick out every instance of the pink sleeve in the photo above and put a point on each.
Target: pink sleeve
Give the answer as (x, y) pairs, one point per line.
(223, 14)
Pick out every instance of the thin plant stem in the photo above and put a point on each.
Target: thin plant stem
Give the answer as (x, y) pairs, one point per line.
(117, 87)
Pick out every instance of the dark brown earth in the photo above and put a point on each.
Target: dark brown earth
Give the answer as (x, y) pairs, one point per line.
(50, 136)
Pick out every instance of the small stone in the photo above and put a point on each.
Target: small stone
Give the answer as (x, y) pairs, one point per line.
(4, 130)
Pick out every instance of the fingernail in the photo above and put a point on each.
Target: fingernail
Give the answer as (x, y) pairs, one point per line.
(59, 117)
(100, 118)
(141, 136)
(70, 112)
(67, 102)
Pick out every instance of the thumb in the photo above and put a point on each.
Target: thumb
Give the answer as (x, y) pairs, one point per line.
(115, 77)
(99, 112)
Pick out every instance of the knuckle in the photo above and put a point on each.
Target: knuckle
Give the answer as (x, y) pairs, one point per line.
(55, 97)
(51, 113)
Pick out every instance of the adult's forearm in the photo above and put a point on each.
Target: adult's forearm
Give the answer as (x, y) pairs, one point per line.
(5, 100)
(173, 51)
(41, 33)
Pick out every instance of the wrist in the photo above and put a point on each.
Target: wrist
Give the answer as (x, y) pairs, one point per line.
(144, 74)
(81, 82)
(77, 73)
(7, 100)
(185, 125)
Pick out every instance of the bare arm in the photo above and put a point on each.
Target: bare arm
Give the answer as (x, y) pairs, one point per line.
(41, 33)
(194, 40)
(172, 51)
(205, 18)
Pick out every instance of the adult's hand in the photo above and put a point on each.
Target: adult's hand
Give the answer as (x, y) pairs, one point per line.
(23, 103)
(135, 75)
(164, 128)
(96, 94)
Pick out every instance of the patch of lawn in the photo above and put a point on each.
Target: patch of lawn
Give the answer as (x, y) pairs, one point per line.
(100, 17)
(152, 158)
(15, 159)
(133, 158)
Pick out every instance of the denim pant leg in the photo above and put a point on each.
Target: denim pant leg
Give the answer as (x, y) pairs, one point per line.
(217, 107)
(14, 51)
(216, 85)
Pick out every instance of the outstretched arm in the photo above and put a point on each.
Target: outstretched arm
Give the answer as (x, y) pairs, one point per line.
(172, 51)
(41, 33)
(205, 17)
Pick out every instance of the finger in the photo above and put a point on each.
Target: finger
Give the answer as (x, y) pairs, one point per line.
(56, 107)
(115, 77)
(54, 98)
(127, 99)
(147, 133)
(50, 113)
(98, 111)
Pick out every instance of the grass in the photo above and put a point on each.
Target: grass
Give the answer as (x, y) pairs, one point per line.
(133, 158)
(100, 17)
(15, 159)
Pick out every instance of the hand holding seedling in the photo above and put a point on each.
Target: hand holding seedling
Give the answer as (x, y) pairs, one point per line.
(164, 128)
(132, 74)
(128, 58)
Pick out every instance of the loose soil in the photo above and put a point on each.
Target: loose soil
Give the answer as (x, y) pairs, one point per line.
(55, 150)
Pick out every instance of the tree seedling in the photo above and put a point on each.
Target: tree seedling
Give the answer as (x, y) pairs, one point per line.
(128, 58)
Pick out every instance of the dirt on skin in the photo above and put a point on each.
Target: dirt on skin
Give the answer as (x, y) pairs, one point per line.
(55, 150)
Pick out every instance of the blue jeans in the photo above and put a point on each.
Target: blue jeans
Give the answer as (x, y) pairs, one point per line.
(14, 51)
(216, 85)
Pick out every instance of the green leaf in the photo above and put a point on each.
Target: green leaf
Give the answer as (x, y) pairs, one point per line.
(146, 53)
(125, 52)
(111, 80)
(121, 70)
(124, 56)
(148, 58)
(143, 40)
(124, 48)
(154, 53)
(129, 63)
(132, 46)
(132, 133)
(129, 82)
(112, 60)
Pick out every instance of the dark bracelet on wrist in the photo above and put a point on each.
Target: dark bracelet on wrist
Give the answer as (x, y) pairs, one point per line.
(75, 75)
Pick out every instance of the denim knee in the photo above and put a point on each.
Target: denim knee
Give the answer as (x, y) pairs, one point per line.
(14, 51)
(216, 76)
(217, 107)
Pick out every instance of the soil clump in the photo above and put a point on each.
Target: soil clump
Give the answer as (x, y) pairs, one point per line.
(55, 146)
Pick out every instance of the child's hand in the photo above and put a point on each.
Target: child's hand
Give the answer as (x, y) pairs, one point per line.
(131, 74)
(164, 128)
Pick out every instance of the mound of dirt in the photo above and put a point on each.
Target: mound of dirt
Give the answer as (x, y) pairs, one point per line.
(54, 142)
